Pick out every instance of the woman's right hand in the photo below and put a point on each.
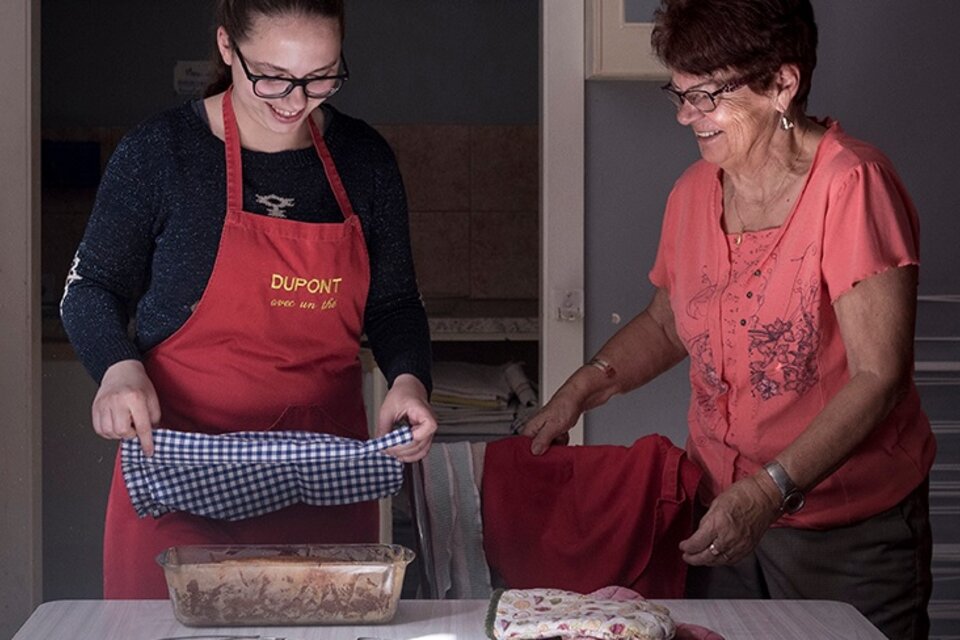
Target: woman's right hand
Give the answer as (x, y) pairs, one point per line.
(551, 423)
(126, 405)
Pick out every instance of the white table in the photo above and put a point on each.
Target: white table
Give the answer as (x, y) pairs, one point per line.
(458, 619)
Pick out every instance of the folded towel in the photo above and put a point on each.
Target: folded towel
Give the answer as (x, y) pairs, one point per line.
(450, 482)
(520, 384)
(250, 473)
(481, 385)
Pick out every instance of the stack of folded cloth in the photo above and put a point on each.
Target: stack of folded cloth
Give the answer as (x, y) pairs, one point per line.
(250, 473)
(472, 398)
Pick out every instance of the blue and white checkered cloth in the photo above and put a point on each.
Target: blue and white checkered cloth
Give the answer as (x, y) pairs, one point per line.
(250, 473)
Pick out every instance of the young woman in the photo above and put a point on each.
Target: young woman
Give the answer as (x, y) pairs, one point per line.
(257, 234)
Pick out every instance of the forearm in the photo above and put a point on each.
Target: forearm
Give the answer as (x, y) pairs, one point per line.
(96, 323)
(638, 354)
(112, 263)
(876, 321)
(846, 421)
(395, 320)
(400, 339)
(631, 358)
(646, 347)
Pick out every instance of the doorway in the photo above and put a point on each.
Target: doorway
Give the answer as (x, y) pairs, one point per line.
(560, 343)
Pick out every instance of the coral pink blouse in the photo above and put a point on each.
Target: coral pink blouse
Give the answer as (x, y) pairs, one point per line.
(759, 325)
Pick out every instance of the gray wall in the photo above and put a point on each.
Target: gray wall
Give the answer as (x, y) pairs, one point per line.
(883, 72)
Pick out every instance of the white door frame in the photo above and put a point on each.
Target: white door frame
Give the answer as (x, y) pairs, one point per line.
(20, 471)
(561, 192)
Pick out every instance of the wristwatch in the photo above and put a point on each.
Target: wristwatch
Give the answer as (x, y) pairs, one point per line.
(791, 498)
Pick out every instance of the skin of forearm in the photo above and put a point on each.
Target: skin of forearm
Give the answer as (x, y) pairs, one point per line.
(847, 420)
(877, 322)
(639, 353)
(643, 349)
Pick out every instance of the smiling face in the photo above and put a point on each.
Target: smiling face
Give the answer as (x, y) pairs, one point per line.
(737, 134)
(291, 46)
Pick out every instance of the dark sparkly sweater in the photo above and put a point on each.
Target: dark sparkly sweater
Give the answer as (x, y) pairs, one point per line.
(152, 238)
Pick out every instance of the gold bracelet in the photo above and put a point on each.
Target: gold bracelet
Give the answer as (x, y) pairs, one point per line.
(603, 365)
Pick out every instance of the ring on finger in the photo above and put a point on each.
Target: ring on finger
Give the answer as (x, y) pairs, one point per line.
(714, 549)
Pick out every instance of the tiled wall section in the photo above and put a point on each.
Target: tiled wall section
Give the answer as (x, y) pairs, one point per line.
(474, 199)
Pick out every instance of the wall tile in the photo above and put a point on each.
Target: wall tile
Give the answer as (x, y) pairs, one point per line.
(505, 168)
(435, 163)
(474, 194)
(441, 252)
(504, 254)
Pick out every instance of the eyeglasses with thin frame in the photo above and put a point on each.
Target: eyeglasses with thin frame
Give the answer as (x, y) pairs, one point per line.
(700, 99)
(318, 87)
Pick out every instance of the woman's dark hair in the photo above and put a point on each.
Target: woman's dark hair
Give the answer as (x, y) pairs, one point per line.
(237, 16)
(753, 37)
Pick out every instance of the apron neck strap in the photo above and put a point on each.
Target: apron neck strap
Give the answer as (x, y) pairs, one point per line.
(231, 139)
(231, 136)
(330, 169)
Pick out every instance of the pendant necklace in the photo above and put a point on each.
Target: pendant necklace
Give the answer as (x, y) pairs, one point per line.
(738, 240)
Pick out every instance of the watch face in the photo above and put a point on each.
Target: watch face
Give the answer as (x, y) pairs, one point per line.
(793, 502)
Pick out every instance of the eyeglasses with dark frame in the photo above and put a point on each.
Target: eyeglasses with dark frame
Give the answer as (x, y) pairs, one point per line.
(700, 99)
(318, 87)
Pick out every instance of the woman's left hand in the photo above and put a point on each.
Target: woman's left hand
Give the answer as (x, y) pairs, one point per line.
(407, 401)
(732, 526)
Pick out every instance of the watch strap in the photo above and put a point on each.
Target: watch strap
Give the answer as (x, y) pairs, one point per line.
(791, 498)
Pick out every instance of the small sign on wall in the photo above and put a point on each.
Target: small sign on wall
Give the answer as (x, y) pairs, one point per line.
(191, 77)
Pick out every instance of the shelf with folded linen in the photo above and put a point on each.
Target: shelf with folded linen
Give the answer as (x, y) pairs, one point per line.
(474, 399)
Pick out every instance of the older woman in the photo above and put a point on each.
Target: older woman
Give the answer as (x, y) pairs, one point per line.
(787, 272)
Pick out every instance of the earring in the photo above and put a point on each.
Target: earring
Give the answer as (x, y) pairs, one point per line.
(785, 123)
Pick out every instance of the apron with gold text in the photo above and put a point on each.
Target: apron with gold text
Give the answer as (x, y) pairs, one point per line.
(272, 345)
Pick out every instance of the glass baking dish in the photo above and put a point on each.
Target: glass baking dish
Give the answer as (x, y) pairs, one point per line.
(227, 585)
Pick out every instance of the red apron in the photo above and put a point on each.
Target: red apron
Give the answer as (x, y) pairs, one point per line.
(584, 518)
(272, 344)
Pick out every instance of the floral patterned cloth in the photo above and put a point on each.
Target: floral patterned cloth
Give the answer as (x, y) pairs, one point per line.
(524, 614)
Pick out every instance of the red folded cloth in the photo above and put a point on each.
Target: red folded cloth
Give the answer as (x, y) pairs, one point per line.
(581, 518)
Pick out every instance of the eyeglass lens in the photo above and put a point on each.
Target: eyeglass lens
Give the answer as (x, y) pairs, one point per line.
(276, 87)
(279, 87)
(701, 100)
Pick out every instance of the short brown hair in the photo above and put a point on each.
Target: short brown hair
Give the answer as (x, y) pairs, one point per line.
(753, 37)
